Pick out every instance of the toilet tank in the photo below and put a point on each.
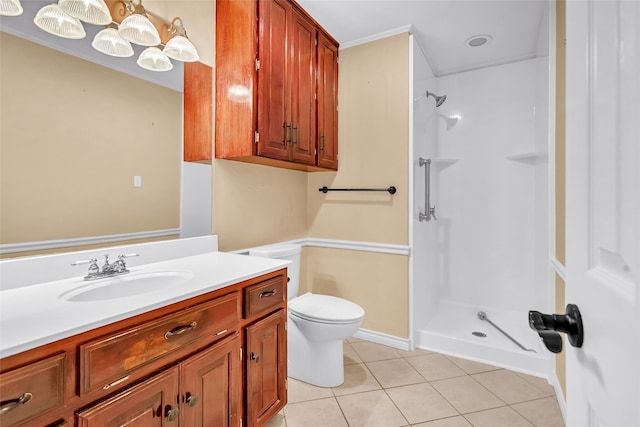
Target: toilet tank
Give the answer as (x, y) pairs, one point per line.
(284, 251)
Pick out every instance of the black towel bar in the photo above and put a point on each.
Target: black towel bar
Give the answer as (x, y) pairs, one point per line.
(391, 190)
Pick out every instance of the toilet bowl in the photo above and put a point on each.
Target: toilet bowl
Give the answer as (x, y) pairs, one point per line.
(317, 325)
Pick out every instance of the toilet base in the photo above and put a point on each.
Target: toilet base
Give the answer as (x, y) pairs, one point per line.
(316, 363)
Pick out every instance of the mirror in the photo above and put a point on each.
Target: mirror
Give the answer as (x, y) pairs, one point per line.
(74, 136)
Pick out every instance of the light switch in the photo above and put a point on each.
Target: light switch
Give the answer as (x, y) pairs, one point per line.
(137, 181)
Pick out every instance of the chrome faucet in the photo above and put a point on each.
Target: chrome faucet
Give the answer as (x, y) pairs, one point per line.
(107, 270)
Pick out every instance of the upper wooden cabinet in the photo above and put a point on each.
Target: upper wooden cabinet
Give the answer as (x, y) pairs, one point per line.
(198, 105)
(276, 86)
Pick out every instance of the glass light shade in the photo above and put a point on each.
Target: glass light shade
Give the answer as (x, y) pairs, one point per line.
(109, 41)
(137, 29)
(10, 8)
(91, 11)
(153, 59)
(181, 49)
(54, 20)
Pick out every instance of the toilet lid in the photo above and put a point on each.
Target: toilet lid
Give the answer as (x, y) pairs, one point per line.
(325, 308)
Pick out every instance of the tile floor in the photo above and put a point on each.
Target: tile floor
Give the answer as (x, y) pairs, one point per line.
(386, 387)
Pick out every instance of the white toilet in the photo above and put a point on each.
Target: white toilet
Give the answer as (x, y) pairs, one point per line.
(317, 325)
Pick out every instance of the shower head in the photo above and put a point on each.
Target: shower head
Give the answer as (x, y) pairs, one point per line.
(439, 99)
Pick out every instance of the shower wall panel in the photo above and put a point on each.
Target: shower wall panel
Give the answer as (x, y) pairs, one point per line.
(487, 231)
(423, 142)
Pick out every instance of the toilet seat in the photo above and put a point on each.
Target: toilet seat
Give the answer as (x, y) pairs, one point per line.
(325, 309)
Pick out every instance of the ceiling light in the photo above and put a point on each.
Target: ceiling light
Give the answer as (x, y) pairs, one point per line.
(54, 20)
(110, 42)
(91, 11)
(478, 40)
(153, 59)
(10, 8)
(138, 29)
(179, 47)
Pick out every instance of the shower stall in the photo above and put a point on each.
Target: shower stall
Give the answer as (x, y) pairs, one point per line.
(479, 226)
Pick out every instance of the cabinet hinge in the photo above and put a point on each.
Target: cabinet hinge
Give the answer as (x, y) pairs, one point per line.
(257, 137)
(240, 354)
(257, 64)
(240, 422)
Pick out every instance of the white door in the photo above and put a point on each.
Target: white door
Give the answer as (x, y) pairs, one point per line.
(603, 210)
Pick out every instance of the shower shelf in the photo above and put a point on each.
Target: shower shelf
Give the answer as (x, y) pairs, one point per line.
(441, 164)
(532, 158)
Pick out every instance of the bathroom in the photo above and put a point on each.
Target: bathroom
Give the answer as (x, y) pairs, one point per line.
(367, 249)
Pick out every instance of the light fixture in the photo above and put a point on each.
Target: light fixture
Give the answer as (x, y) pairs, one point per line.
(110, 42)
(91, 11)
(179, 47)
(138, 29)
(56, 21)
(153, 59)
(10, 8)
(478, 40)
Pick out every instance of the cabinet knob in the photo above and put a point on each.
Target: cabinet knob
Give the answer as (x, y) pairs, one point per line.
(255, 357)
(172, 414)
(192, 400)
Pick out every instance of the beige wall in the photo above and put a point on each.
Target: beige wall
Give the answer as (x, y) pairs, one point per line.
(255, 205)
(373, 118)
(373, 136)
(375, 281)
(73, 136)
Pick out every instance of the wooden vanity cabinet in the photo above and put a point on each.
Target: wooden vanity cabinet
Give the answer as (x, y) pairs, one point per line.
(266, 347)
(185, 364)
(203, 390)
(267, 86)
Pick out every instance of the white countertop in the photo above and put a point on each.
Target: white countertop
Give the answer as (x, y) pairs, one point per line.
(34, 315)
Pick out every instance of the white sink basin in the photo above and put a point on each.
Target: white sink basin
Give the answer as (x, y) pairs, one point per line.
(126, 286)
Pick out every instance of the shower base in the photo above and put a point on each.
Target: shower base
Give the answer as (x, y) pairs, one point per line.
(455, 329)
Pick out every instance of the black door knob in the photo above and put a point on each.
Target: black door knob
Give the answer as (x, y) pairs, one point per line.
(548, 327)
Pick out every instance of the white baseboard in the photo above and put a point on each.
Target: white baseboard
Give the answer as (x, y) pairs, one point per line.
(384, 339)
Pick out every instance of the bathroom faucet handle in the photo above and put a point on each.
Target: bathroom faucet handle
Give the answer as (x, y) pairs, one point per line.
(93, 271)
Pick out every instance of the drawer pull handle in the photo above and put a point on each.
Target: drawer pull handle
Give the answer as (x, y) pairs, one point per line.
(179, 330)
(222, 332)
(14, 403)
(267, 294)
(115, 383)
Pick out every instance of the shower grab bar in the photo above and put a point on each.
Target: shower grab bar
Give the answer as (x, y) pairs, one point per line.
(430, 212)
(483, 316)
(391, 190)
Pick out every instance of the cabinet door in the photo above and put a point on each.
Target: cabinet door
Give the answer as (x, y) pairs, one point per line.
(211, 386)
(302, 86)
(152, 403)
(327, 103)
(266, 368)
(274, 122)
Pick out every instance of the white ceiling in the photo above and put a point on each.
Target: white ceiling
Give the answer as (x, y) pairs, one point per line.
(441, 27)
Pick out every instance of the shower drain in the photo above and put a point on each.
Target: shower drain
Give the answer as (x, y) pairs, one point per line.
(479, 334)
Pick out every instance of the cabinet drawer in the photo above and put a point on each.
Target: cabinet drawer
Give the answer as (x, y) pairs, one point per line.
(264, 295)
(108, 361)
(32, 390)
